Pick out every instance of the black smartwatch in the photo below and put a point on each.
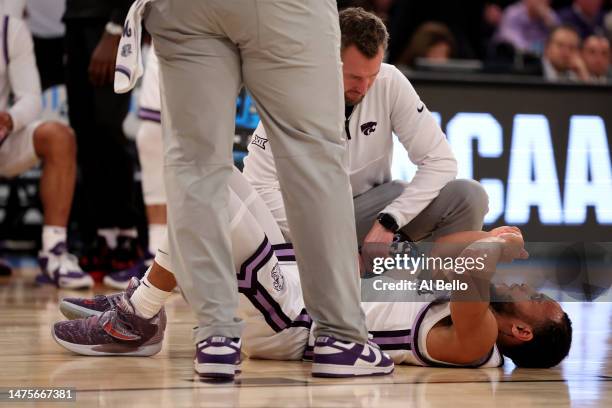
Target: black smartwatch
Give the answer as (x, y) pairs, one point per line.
(387, 221)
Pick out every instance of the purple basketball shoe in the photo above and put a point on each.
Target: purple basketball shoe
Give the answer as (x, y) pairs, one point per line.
(79, 308)
(335, 358)
(218, 357)
(118, 331)
(121, 279)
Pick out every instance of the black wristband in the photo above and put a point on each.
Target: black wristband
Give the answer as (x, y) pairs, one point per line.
(387, 221)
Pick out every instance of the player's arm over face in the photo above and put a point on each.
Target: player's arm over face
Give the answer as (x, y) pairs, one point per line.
(473, 330)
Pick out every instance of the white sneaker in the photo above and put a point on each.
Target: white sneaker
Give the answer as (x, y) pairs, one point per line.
(61, 268)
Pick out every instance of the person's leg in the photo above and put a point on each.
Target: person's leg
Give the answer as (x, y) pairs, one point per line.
(55, 145)
(200, 77)
(293, 71)
(81, 115)
(460, 206)
(278, 299)
(151, 157)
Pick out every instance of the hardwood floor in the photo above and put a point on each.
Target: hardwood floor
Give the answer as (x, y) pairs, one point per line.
(29, 358)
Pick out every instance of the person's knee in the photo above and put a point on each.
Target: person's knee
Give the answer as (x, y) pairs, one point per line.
(55, 140)
(470, 194)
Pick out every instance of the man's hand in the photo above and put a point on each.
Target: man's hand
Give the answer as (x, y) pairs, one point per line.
(579, 67)
(102, 64)
(376, 244)
(6, 125)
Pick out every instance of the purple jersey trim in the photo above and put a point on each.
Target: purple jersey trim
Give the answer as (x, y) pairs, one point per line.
(149, 114)
(5, 51)
(259, 297)
(426, 361)
(124, 70)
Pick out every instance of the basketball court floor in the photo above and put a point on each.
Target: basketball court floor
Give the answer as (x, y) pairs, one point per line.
(30, 358)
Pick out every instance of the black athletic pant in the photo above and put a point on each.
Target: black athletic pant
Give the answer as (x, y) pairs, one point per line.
(50, 60)
(96, 113)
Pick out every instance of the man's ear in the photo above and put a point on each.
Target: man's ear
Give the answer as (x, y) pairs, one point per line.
(522, 331)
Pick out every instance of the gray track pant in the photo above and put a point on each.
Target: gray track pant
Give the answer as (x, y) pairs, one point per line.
(460, 206)
(287, 53)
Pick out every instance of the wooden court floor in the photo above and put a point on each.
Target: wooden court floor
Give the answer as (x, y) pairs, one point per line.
(29, 358)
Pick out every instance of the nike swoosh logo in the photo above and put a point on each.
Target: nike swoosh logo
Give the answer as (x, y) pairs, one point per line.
(370, 357)
(421, 108)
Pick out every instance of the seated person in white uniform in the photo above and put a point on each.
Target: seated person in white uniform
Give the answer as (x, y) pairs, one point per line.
(25, 141)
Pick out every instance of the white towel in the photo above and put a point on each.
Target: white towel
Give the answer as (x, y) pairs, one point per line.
(128, 65)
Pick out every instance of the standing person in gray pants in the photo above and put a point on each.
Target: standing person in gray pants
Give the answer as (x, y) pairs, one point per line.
(286, 52)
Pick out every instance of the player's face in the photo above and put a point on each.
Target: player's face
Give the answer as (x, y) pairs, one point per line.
(524, 302)
(359, 73)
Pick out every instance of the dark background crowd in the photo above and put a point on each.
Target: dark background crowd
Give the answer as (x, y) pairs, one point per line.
(560, 40)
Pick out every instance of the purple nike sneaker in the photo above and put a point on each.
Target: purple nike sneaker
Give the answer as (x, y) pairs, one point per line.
(335, 358)
(79, 308)
(218, 357)
(116, 332)
(121, 279)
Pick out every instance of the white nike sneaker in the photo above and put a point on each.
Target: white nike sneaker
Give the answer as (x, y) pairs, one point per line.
(60, 268)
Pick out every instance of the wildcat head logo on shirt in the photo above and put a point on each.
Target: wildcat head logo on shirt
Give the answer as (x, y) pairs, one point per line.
(279, 279)
(259, 141)
(368, 128)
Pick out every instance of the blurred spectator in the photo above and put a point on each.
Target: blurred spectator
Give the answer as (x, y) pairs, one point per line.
(431, 41)
(526, 24)
(468, 21)
(379, 7)
(586, 16)
(596, 56)
(562, 61)
(45, 22)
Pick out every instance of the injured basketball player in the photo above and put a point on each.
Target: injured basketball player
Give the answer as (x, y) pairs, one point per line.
(466, 329)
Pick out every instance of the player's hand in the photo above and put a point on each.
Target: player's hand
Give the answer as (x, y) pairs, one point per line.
(513, 247)
(102, 64)
(6, 125)
(496, 232)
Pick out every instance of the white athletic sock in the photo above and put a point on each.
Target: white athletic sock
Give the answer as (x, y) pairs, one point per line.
(157, 233)
(110, 235)
(147, 299)
(51, 236)
(128, 232)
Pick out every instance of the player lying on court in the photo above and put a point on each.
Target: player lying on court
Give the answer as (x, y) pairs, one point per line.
(528, 327)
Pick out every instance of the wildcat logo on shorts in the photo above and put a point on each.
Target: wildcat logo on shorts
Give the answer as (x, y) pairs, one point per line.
(126, 50)
(368, 128)
(278, 278)
(259, 141)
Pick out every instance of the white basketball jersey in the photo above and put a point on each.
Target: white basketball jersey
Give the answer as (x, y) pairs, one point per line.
(271, 304)
(401, 328)
(149, 100)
